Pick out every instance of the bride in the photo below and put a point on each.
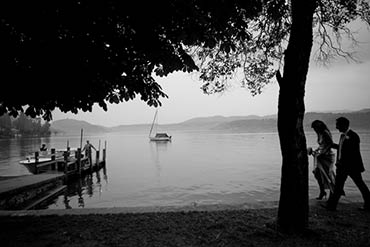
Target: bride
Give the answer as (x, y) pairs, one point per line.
(323, 158)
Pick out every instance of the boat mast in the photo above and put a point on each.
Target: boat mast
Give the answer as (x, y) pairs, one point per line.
(155, 116)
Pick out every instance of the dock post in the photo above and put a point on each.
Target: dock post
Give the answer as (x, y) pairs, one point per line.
(79, 160)
(65, 155)
(82, 131)
(36, 161)
(97, 159)
(53, 166)
(104, 151)
(89, 158)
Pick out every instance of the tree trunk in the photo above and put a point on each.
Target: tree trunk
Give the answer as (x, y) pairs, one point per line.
(293, 204)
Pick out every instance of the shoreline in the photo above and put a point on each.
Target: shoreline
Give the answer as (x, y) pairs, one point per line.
(138, 210)
(217, 226)
(349, 199)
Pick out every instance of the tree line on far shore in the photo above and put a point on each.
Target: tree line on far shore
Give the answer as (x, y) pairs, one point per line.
(23, 126)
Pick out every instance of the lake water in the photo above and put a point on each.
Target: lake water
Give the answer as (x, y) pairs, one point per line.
(195, 168)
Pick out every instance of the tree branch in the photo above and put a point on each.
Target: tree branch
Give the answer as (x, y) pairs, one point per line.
(279, 78)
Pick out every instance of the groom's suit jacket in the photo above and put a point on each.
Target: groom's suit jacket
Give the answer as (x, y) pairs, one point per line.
(350, 157)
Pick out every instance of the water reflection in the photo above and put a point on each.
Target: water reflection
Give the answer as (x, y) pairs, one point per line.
(202, 167)
(156, 150)
(27, 146)
(15, 149)
(5, 149)
(66, 201)
(81, 189)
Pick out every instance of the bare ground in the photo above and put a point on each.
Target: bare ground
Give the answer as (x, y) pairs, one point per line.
(348, 226)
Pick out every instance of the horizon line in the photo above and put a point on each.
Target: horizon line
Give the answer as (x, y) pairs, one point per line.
(211, 116)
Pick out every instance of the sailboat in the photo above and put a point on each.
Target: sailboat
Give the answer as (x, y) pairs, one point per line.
(158, 136)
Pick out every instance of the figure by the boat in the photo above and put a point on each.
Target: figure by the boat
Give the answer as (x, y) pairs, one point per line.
(43, 147)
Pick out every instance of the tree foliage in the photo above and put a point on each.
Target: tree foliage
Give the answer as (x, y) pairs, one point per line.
(5, 126)
(31, 126)
(332, 30)
(72, 54)
(260, 55)
(23, 125)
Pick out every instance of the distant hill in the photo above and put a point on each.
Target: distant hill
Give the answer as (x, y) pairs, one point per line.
(215, 120)
(200, 123)
(205, 123)
(130, 128)
(249, 125)
(72, 126)
(360, 120)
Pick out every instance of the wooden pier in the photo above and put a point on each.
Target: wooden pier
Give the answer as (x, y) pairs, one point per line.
(48, 179)
(70, 165)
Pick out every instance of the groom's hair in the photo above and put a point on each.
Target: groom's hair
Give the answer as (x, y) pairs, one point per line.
(343, 121)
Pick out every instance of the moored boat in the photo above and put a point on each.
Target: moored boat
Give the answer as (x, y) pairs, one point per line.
(164, 137)
(160, 137)
(30, 163)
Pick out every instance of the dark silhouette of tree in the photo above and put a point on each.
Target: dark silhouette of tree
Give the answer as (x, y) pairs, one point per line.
(31, 126)
(23, 124)
(5, 126)
(45, 129)
(72, 54)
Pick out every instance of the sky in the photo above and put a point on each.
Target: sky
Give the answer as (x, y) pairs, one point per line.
(339, 86)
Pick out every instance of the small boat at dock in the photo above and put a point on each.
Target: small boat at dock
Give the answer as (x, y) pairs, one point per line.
(30, 163)
(41, 158)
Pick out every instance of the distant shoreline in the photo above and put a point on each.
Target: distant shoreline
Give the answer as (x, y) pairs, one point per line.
(252, 124)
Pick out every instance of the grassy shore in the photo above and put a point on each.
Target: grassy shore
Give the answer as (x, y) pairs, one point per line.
(348, 226)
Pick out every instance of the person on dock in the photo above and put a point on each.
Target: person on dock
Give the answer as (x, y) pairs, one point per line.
(43, 148)
(349, 163)
(323, 158)
(87, 148)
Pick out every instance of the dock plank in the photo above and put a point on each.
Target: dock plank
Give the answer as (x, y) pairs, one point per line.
(48, 195)
(27, 180)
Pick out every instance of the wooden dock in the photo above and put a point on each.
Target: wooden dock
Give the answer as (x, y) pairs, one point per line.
(48, 180)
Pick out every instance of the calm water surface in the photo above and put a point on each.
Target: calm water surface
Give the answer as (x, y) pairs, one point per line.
(196, 167)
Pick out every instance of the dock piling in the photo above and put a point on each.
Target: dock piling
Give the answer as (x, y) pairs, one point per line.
(104, 151)
(53, 166)
(37, 155)
(79, 160)
(97, 158)
(65, 155)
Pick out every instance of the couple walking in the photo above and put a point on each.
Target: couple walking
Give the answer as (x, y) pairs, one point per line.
(348, 162)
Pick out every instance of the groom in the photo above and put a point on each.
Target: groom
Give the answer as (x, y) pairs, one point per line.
(349, 163)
